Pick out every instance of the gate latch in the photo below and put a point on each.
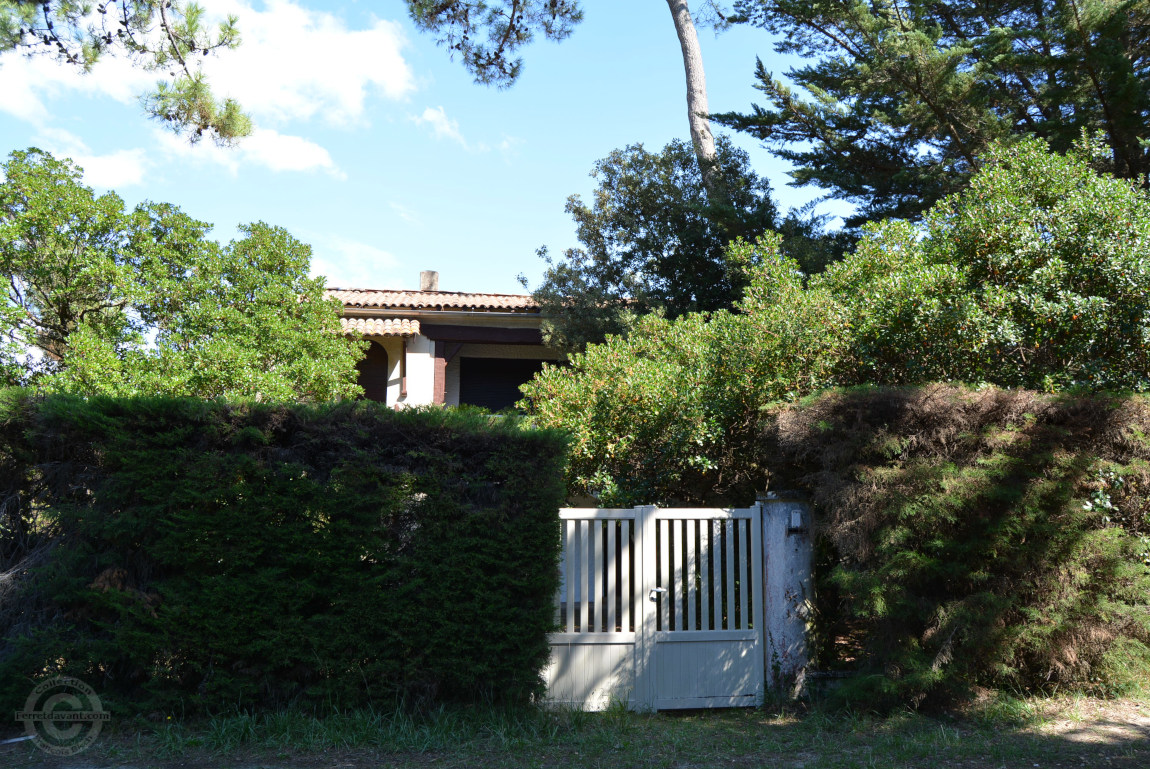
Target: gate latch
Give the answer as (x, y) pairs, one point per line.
(654, 596)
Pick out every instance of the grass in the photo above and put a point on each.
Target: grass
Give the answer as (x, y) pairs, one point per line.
(1002, 732)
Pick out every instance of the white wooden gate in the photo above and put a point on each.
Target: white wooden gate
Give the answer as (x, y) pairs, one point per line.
(659, 609)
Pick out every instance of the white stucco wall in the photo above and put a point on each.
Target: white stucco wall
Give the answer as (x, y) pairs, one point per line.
(394, 348)
(420, 373)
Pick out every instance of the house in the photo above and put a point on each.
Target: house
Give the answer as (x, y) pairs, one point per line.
(447, 347)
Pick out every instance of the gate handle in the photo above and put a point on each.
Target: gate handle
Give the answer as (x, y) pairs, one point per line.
(654, 595)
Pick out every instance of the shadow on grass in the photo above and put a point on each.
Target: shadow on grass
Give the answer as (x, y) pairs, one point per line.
(1091, 733)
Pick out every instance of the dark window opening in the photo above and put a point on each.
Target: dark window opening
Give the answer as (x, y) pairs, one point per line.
(373, 371)
(493, 383)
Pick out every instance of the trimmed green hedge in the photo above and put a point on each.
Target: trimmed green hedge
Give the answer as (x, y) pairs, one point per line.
(996, 538)
(181, 555)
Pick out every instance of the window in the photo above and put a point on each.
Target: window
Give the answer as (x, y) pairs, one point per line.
(373, 371)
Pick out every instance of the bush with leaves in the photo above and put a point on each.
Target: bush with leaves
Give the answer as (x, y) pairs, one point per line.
(184, 555)
(670, 414)
(1036, 276)
(102, 300)
(654, 240)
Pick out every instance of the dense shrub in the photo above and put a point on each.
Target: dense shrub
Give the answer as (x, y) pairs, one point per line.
(1037, 276)
(671, 413)
(970, 537)
(976, 537)
(192, 555)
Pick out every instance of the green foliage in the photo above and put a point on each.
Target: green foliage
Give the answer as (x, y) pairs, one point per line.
(971, 537)
(1036, 276)
(209, 556)
(670, 414)
(156, 35)
(902, 99)
(962, 545)
(509, 24)
(103, 300)
(654, 240)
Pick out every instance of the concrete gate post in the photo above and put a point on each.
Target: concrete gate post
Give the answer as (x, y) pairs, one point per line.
(788, 589)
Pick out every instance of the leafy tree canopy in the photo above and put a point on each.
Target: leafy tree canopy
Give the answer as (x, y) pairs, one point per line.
(164, 36)
(654, 240)
(902, 97)
(105, 300)
(1036, 276)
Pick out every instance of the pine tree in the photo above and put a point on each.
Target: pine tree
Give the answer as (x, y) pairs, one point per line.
(902, 98)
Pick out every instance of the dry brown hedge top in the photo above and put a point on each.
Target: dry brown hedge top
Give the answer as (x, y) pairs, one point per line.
(976, 536)
(828, 443)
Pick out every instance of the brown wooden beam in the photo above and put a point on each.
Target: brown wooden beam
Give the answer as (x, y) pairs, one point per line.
(481, 334)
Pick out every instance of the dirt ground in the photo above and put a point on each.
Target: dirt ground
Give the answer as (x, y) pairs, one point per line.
(1100, 722)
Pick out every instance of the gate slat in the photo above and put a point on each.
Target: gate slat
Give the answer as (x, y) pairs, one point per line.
(680, 591)
(668, 575)
(756, 566)
(612, 562)
(692, 589)
(595, 623)
(584, 606)
(715, 528)
(704, 574)
(625, 548)
(729, 532)
(565, 594)
(744, 572)
(754, 585)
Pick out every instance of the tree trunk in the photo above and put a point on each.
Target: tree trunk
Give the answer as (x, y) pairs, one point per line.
(696, 95)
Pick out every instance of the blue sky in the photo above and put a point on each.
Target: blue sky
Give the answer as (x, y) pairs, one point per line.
(375, 148)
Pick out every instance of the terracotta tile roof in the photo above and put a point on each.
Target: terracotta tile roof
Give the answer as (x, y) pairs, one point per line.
(380, 326)
(433, 300)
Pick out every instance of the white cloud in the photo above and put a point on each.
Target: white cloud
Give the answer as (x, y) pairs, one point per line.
(441, 125)
(114, 170)
(20, 98)
(509, 146)
(204, 152)
(288, 153)
(351, 264)
(296, 63)
(405, 213)
(28, 84)
(293, 63)
(265, 147)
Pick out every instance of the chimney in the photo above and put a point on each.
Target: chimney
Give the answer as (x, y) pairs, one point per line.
(429, 280)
